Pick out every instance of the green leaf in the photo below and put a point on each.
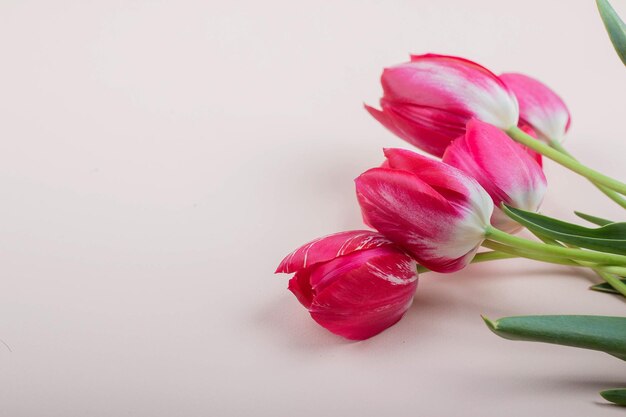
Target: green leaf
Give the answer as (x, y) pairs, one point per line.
(610, 238)
(615, 28)
(603, 333)
(606, 287)
(616, 395)
(593, 219)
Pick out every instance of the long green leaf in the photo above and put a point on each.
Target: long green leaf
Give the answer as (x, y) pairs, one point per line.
(606, 287)
(603, 333)
(615, 27)
(593, 219)
(610, 238)
(616, 395)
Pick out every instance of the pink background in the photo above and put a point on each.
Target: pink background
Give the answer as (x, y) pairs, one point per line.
(159, 158)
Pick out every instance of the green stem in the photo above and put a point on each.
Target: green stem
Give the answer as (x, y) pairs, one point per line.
(606, 273)
(524, 253)
(490, 256)
(597, 178)
(478, 258)
(551, 241)
(607, 191)
(615, 270)
(573, 254)
(536, 256)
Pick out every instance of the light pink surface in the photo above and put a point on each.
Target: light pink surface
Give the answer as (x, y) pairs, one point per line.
(160, 158)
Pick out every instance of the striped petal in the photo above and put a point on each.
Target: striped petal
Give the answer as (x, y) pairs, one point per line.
(441, 232)
(455, 186)
(329, 247)
(453, 84)
(364, 292)
(428, 100)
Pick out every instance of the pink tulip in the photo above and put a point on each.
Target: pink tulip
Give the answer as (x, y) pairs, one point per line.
(429, 100)
(504, 169)
(433, 210)
(539, 106)
(355, 284)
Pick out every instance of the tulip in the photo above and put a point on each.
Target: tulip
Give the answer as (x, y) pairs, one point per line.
(433, 210)
(429, 100)
(539, 107)
(355, 284)
(503, 167)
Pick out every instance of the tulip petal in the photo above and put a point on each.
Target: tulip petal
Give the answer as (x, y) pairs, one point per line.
(506, 171)
(385, 119)
(428, 101)
(453, 184)
(426, 128)
(407, 210)
(300, 286)
(454, 84)
(325, 273)
(526, 128)
(369, 298)
(329, 247)
(540, 107)
(447, 180)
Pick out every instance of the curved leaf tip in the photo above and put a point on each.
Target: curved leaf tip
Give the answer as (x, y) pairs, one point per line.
(493, 325)
(610, 238)
(593, 219)
(602, 333)
(616, 395)
(615, 27)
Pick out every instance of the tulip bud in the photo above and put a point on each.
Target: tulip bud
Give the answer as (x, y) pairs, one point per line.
(434, 211)
(539, 106)
(429, 100)
(504, 169)
(355, 284)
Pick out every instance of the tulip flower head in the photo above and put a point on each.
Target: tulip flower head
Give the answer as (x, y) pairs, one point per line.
(355, 284)
(429, 100)
(505, 170)
(539, 106)
(433, 210)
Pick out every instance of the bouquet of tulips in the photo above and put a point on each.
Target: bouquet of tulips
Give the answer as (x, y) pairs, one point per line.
(487, 135)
